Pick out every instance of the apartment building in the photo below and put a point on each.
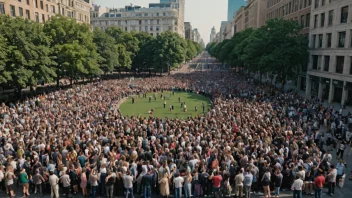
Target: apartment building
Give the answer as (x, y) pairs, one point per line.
(251, 16)
(158, 18)
(329, 75)
(189, 31)
(41, 10)
(298, 10)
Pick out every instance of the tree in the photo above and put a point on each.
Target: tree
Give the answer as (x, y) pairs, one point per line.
(170, 49)
(127, 39)
(124, 58)
(66, 34)
(144, 57)
(107, 50)
(191, 50)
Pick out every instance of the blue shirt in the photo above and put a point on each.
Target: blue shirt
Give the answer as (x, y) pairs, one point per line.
(248, 178)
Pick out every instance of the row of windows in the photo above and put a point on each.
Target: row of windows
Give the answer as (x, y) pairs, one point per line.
(330, 18)
(135, 22)
(324, 62)
(295, 4)
(318, 3)
(20, 12)
(318, 40)
(288, 8)
(113, 15)
(151, 33)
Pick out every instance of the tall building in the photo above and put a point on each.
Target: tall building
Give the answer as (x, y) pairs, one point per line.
(158, 18)
(212, 35)
(229, 30)
(222, 30)
(196, 35)
(329, 73)
(40, 11)
(252, 15)
(232, 7)
(290, 10)
(188, 31)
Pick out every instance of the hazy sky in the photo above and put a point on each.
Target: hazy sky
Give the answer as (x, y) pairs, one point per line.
(203, 14)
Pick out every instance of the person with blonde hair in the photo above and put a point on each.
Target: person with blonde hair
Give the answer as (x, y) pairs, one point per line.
(164, 185)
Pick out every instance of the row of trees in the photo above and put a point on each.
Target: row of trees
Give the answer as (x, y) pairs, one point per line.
(277, 48)
(63, 48)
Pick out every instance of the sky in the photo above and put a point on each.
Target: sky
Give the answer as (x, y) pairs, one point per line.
(203, 14)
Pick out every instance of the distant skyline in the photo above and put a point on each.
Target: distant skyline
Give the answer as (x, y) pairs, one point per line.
(202, 14)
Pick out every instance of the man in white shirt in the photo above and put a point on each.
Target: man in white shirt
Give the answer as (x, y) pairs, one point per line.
(54, 183)
(178, 183)
(297, 187)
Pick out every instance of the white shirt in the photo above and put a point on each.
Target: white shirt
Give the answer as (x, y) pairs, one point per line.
(178, 181)
(297, 184)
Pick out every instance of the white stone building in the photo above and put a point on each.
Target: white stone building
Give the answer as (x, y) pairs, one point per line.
(329, 75)
(158, 18)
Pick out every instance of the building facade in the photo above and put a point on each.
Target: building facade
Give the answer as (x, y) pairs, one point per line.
(158, 18)
(252, 15)
(222, 30)
(196, 36)
(291, 10)
(229, 30)
(329, 75)
(40, 11)
(232, 7)
(188, 31)
(212, 35)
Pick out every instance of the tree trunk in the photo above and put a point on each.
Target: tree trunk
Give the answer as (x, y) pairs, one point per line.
(57, 81)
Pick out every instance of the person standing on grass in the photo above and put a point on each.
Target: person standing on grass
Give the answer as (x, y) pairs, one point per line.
(164, 104)
(319, 184)
(297, 187)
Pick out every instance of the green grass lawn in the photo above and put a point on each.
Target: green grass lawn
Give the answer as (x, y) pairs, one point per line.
(143, 106)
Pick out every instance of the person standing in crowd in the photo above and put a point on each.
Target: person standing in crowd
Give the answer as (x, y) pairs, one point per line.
(341, 150)
(266, 179)
(278, 182)
(239, 183)
(216, 180)
(83, 184)
(319, 185)
(247, 183)
(93, 181)
(297, 187)
(331, 177)
(66, 183)
(37, 181)
(188, 185)
(109, 185)
(164, 185)
(178, 183)
(54, 184)
(340, 170)
(128, 180)
(147, 183)
(9, 181)
(24, 180)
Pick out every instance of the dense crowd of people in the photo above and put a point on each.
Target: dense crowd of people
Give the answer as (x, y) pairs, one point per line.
(254, 139)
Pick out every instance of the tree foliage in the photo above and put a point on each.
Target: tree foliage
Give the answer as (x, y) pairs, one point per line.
(62, 48)
(278, 47)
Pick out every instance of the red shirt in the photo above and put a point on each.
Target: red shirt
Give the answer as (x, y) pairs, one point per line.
(217, 181)
(319, 181)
